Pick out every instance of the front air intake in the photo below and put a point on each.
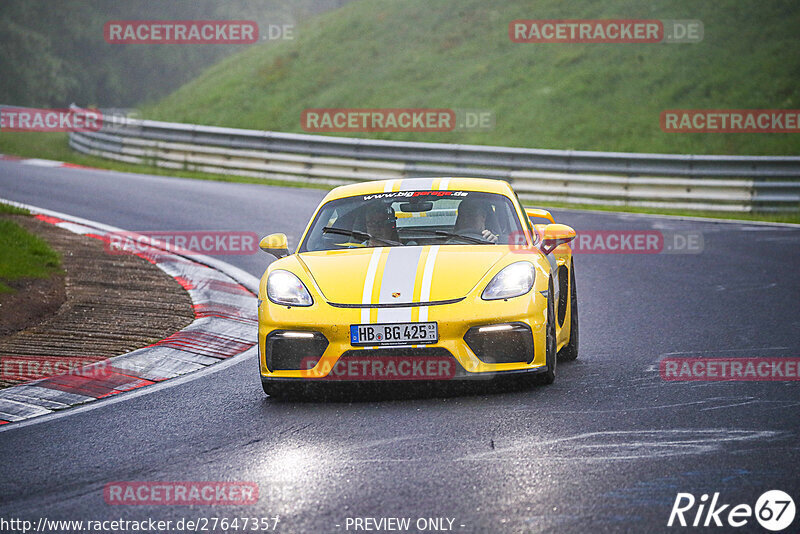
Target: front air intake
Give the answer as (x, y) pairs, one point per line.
(291, 350)
(501, 343)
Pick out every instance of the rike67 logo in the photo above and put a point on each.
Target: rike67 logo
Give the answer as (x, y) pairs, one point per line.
(774, 510)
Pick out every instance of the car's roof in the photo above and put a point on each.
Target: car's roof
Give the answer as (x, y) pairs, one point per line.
(485, 185)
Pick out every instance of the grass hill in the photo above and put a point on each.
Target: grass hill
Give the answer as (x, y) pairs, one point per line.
(457, 54)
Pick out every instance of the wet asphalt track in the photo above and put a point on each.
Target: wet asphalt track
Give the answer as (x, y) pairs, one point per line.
(607, 447)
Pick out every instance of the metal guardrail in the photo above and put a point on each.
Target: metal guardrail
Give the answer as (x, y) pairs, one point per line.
(718, 183)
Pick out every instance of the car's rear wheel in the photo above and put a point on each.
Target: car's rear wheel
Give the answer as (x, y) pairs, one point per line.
(570, 351)
(551, 359)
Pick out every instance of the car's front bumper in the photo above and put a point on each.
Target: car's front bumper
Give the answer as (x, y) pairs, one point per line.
(340, 361)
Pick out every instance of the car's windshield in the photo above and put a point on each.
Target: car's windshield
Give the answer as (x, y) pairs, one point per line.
(409, 218)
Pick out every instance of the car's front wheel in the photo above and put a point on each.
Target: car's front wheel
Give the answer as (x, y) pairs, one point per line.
(551, 359)
(570, 351)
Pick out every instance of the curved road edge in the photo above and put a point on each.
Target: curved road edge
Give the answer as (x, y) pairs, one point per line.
(223, 298)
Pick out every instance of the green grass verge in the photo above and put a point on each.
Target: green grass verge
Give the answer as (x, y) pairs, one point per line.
(38, 145)
(8, 209)
(25, 255)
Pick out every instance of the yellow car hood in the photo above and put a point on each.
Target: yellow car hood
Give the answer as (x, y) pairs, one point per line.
(396, 275)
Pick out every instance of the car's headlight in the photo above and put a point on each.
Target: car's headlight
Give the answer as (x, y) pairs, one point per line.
(286, 289)
(514, 280)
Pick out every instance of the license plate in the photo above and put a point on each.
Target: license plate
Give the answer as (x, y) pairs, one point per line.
(394, 334)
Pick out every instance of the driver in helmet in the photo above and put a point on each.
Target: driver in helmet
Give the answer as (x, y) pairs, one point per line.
(381, 225)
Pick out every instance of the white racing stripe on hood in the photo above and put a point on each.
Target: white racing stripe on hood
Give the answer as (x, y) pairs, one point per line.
(369, 282)
(399, 275)
(443, 183)
(427, 277)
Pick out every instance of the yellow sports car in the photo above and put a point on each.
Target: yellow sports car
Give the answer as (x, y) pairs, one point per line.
(418, 279)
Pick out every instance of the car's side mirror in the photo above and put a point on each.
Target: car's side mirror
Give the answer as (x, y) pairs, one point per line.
(555, 235)
(275, 244)
(536, 213)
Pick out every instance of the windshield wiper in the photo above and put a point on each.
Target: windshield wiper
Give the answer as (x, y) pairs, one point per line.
(363, 236)
(453, 234)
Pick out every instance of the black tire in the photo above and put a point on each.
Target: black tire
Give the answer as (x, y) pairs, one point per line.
(570, 351)
(549, 376)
